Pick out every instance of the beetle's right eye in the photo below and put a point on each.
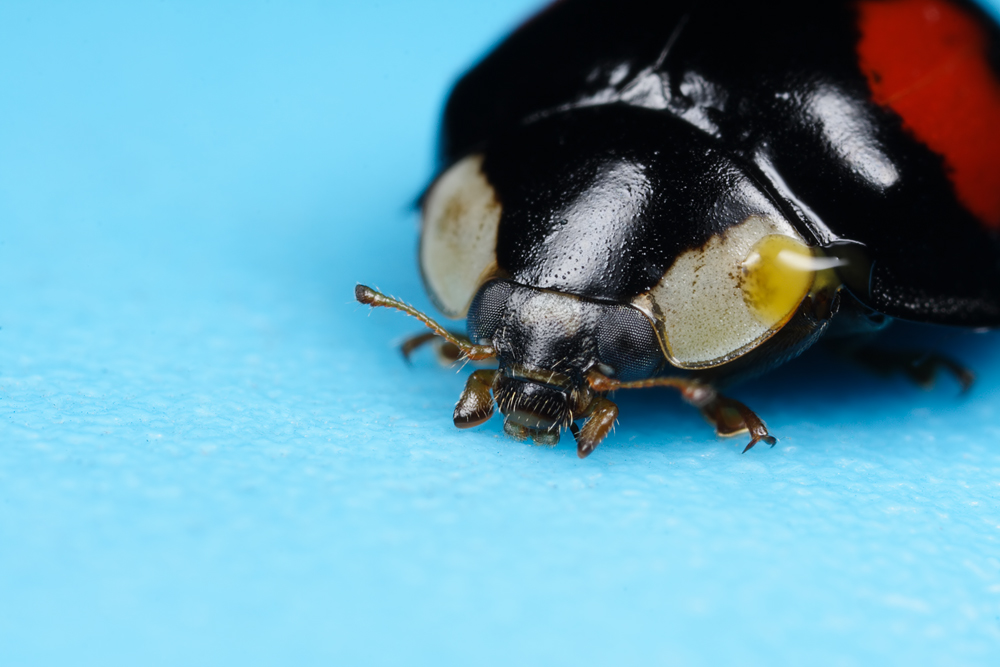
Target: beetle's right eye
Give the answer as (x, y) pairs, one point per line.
(487, 309)
(627, 343)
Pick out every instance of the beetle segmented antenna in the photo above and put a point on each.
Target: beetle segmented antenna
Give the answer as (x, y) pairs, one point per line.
(670, 42)
(376, 299)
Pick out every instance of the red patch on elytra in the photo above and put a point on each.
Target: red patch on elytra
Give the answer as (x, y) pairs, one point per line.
(927, 61)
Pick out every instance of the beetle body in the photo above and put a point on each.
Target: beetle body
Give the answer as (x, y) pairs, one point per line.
(690, 193)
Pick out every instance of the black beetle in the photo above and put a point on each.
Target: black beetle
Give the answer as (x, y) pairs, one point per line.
(687, 194)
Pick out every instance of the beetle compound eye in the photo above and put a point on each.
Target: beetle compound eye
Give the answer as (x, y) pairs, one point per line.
(487, 309)
(627, 343)
(776, 275)
(458, 245)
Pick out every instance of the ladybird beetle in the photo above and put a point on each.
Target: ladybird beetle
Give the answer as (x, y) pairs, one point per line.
(688, 194)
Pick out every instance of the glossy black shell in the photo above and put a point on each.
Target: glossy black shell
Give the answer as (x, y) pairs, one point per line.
(706, 87)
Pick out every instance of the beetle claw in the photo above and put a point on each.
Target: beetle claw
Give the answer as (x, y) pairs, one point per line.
(769, 439)
(730, 417)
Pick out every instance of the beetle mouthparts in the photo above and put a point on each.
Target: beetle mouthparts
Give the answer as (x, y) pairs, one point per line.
(518, 431)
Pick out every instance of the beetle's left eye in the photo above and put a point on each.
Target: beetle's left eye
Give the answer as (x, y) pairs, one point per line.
(627, 343)
(487, 308)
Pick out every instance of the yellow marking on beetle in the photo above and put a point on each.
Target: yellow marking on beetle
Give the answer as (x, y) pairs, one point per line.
(776, 275)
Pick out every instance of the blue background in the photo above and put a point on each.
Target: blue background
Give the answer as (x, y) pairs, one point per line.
(210, 455)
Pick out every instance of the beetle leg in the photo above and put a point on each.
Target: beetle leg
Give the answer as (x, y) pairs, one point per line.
(729, 416)
(475, 405)
(446, 352)
(921, 367)
(415, 342)
(602, 417)
(375, 299)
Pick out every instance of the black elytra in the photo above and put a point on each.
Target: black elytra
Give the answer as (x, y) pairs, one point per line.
(687, 194)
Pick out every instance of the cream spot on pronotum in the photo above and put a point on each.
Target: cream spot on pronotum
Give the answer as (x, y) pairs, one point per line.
(699, 307)
(458, 243)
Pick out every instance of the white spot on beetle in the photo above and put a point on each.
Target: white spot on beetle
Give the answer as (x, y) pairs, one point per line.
(459, 238)
(703, 318)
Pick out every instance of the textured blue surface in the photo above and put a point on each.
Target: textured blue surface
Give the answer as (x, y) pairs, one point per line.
(210, 455)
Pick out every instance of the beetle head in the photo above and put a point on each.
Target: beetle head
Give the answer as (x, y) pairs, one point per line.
(545, 343)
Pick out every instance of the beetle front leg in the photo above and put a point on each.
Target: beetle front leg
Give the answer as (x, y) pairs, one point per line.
(602, 418)
(727, 415)
(475, 406)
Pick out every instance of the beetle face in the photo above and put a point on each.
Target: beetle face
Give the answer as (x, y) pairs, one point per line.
(546, 342)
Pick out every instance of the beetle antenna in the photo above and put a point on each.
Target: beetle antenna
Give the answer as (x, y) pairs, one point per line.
(671, 41)
(376, 299)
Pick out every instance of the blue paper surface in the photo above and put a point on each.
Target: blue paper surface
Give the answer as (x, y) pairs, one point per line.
(210, 455)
